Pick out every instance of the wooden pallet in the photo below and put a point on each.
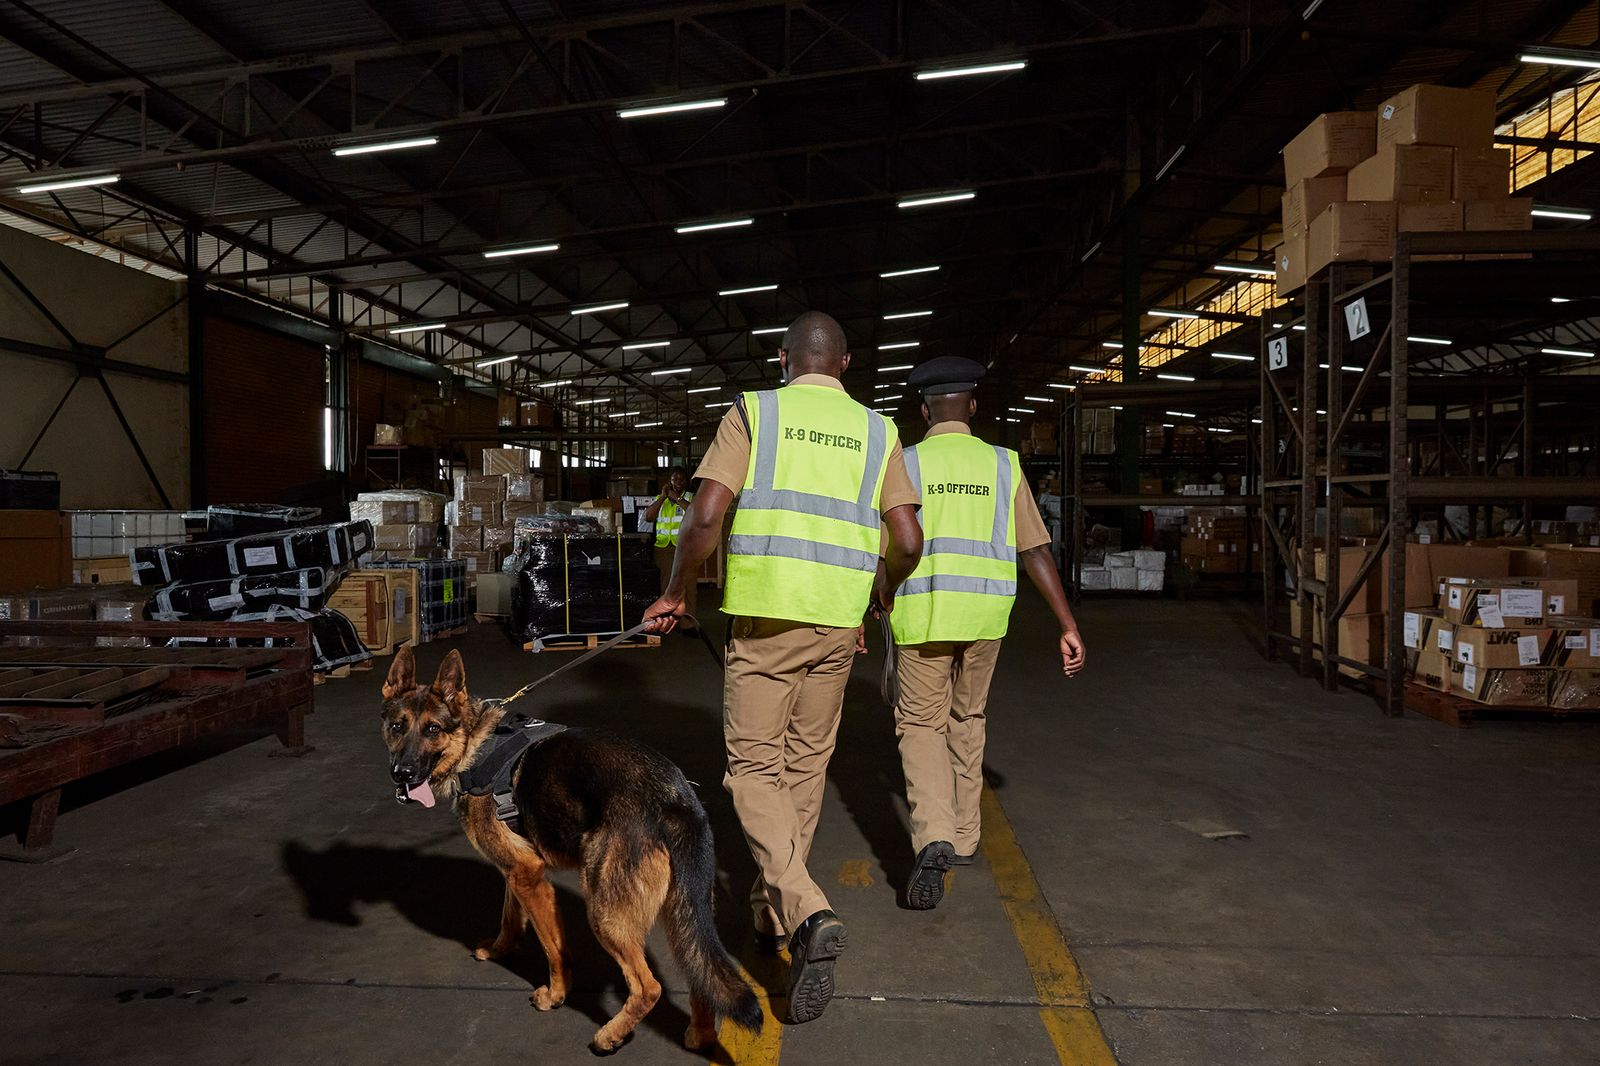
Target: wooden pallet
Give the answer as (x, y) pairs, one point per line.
(490, 619)
(1459, 711)
(324, 676)
(74, 695)
(446, 634)
(590, 641)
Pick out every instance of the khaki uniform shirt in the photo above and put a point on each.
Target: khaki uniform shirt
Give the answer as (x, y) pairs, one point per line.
(1030, 523)
(727, 461)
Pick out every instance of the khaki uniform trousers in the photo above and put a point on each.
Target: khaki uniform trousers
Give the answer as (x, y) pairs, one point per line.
(940, 720)
(782, 694)
(691, 584)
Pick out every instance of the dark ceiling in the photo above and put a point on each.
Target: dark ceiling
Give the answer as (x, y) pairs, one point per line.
(222, 118)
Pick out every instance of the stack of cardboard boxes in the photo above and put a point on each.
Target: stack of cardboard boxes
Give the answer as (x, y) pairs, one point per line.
(1424, 162)
(482, 516)
(1215, 541)
(405, 522)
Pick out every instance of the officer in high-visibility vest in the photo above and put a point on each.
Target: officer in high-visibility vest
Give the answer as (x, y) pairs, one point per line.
(978, 522)
(667, 511)
(815, 473)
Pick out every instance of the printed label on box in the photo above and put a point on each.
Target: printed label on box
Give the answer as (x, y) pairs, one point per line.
(399, 604)
(260, 556)
(222, 603)
(1447, 639)
(1594, 643)
(1521, 603)
(1469, 678)
(1388, 112)
(1528, 651)
(1577, 641)
(1413, 629)
(1489, 612)
(1464, 653)
(1455, 598)
(1557, 605)
(449, 590)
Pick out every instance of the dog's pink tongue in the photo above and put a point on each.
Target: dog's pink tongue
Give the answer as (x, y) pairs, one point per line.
(422, 793)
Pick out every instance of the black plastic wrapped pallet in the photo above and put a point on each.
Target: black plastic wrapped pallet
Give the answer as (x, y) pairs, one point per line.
(442, 595)
(582, 585)
(344, 544)
(334, 640)
(307, 590)
(224, 521)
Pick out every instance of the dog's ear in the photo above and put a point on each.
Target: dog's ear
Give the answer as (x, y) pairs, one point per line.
(402, 674)
(450, 684)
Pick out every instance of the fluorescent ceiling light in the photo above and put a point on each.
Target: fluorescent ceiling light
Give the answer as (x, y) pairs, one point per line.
(1168, 425)
(888, 384)
(907, 272)
(671, 370)
(1238, 357)
(1017, 420)
(1571, 213)
(497, 362)
(647, 425)
(1111, 344)
(892, 369)
(416, 329)
(647, 110)
(387, 146)
(1172, 161)
(701, 227)
(1256, 421)
(1023, 410)
(1567, 351)
(898, 345)
(1174, 377)
(1086, 256)
(526, 249)
(69, 183)
(703, 388)
(1560, 300)
(936, 198)
(906, 314)
(1346, 369)
(1218, 429)
(553, 384)
(1299, 329)
(765, 330)
(1181, 414)
(1059, 385)
(1430, 340)
(1086, 369)
(595, 309)
(636, 345)
(623, 414)
(586, 403)
(1560, 61)
(1247, 268)
(1003, 67)
(886, 399)
(719, 403)
(1041, 399)
(747, 290)
(1165, 312)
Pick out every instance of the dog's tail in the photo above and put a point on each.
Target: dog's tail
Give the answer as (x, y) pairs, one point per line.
(712, 974)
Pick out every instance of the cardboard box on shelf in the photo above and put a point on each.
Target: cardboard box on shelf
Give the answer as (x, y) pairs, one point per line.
(1447, 563)
(102, 570)
(1435, 216)
(1438, 115)
(384, 512)
(1432, 669)
(1360, 232)
(1501, 648)
(1483, 174)
(467, 537)
(505, 406)
(1305, 200)
(480, 488)
(387, 436)
(1289, 260)
(1403, 172)
(536, 414)
(1331, 144)
(403, 537)
(1514, 214)
(525, 487)
(1576, 690)
(505, 461)
(1150, 486)
(515, 509)
(478, 563)
(1574, 642)
(471, 513)
(1508, 602)
(1417, 628)
(1502, 687)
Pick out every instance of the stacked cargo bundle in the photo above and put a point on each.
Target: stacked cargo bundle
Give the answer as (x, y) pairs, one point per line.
(1425, 162)
(483, 515)
(567, 585)
(441, 594)
(405, 522)
(1216, 541)
(273, 576)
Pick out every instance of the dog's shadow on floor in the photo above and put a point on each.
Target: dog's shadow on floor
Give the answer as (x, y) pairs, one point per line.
(459, 899)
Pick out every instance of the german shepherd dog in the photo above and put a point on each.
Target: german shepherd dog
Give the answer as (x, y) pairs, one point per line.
(618, 811)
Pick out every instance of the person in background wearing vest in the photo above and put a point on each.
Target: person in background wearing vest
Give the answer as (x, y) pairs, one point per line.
(817, 475)
(978, 520)
(667, 513)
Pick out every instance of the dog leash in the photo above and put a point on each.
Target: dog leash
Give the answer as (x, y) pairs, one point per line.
(889, 677)
(606, 646)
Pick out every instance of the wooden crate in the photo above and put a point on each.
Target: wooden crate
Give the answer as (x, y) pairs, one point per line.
(382, 604)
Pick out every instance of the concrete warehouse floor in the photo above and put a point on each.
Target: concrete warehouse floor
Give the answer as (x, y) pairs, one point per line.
(1408, 892)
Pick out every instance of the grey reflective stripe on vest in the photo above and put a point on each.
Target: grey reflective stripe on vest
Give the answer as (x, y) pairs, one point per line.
(986, 586)
(807, 550)
(914, 467)
(761, 496)
(994, 548)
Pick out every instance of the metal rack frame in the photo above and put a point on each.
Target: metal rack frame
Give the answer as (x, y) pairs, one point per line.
(1293, 487)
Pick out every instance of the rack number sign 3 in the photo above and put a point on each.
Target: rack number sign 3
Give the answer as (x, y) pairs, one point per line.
(1277, 353)
(1357, 323)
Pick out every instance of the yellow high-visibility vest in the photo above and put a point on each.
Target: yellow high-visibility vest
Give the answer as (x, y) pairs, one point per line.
(669, 521)
(965, 585)
(804, 543)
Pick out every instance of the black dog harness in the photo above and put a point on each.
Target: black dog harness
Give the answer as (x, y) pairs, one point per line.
(493, 771)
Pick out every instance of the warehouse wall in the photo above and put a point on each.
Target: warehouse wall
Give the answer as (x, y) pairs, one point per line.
(98, 302)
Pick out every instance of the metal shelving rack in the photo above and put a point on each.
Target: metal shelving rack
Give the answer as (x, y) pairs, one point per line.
(1234, 399)
(1505, 306)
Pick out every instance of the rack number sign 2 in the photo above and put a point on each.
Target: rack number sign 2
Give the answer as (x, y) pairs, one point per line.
(1357, 323)
(1277, 353)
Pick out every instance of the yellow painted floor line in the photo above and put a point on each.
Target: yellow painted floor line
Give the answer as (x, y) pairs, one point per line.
(1060, 985)
(739, 1047)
